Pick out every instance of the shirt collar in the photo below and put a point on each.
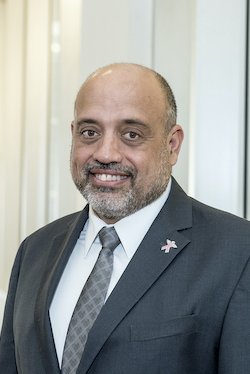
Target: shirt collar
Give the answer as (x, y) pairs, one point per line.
(129, 231)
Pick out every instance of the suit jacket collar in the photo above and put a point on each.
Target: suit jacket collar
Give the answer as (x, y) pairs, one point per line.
(171, 223)
(61, 248)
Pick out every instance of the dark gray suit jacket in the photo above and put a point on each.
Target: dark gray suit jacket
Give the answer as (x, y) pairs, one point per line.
(182, 312)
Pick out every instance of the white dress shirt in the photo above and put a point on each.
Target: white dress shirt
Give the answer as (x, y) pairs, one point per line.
(131, 230)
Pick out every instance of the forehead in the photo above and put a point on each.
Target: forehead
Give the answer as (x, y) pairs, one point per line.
(128, 90)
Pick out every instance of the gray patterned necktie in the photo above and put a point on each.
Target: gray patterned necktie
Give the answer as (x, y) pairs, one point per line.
(90, 302)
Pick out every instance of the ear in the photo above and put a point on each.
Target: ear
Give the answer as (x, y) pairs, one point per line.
(72, 127)
(175, 138)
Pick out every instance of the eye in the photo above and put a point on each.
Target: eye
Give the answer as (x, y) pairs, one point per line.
(131, 135)
(89, 133)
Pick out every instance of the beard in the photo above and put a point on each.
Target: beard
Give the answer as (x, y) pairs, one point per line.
(114, 203)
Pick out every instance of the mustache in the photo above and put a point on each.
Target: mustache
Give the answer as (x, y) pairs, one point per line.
(130, 171)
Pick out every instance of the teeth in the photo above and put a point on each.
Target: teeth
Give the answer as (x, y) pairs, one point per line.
(109, 177)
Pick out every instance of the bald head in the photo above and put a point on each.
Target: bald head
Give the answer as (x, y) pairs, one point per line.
(151, 81)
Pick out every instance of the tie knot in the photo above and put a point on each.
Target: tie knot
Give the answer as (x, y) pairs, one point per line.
(109, 238)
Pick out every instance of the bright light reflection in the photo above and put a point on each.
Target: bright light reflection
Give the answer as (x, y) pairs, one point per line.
(55, 47)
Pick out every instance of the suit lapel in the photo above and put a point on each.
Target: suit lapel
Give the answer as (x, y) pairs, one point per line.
(61, 248)
(148, 263)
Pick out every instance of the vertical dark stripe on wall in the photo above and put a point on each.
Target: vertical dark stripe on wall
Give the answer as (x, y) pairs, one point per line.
(246, 114)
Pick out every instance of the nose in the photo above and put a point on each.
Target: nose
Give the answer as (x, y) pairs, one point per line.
(108, 150)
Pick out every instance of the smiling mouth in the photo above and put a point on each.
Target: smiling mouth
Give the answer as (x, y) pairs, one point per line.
(109, 177)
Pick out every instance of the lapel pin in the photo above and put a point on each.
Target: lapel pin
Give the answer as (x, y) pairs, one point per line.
(170, 244)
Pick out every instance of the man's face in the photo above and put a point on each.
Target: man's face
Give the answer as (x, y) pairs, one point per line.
(120, 158)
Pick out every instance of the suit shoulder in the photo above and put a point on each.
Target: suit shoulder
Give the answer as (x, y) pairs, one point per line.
(55, 227)
(210, 215)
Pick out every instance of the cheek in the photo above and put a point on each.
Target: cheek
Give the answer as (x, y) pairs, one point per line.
(80, 155)
(146, 165)
(154, 163)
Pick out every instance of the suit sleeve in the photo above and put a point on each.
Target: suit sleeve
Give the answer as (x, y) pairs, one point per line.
(234, 353)
(7, 346)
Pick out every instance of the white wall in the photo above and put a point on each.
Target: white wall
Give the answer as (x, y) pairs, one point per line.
(217, 144)
(35, 183)
(11, 94)
(122, 32)
(173, 56)
(63, 197)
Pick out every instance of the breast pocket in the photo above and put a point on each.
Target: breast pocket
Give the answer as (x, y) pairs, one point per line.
(177, 326)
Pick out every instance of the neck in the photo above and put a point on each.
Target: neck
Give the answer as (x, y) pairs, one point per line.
(108, 221)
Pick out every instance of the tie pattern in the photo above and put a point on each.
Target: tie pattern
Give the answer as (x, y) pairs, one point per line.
(90, 302)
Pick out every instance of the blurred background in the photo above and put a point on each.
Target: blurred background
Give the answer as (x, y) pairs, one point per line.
(49, 47)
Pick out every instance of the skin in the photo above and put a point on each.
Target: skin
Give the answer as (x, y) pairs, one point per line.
(121, 157)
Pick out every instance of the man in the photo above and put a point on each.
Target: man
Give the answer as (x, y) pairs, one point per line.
(178, 301)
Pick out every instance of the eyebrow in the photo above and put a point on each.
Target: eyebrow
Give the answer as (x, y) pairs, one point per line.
(86, 120)
(126, 121)
(134, 121)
